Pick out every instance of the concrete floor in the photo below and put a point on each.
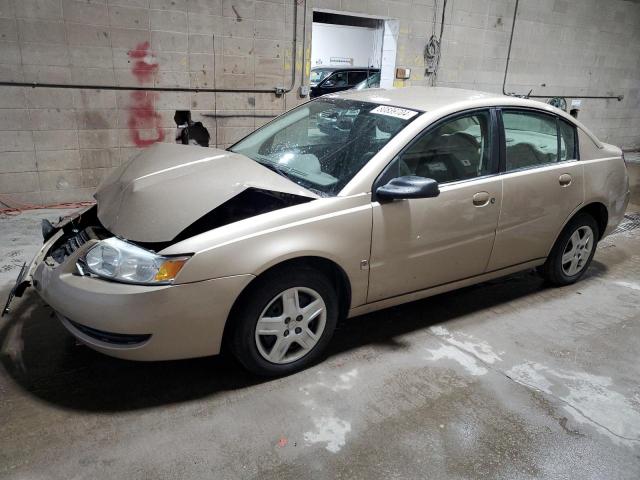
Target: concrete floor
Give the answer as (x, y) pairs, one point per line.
(509, 379)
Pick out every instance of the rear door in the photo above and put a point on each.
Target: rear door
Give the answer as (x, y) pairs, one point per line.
(542, 185)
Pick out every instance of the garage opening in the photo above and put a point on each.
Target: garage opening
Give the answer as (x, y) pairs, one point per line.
(350, 51)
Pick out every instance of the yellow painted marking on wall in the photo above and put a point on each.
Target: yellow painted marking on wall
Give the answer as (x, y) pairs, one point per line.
(307, 67)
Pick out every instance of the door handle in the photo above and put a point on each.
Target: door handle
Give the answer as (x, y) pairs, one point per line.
(481, 199)
(565, 180)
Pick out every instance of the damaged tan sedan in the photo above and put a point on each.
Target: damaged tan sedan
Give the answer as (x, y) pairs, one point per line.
(347, 204)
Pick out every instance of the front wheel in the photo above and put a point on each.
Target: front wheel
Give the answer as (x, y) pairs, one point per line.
(572, 252)
(285, 321)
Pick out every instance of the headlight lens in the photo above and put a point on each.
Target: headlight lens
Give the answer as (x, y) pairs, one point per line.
(118, 260)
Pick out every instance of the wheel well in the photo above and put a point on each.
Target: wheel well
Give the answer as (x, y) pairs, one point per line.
(599, 212)
(330, 269)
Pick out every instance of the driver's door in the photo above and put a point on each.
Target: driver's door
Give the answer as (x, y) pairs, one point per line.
(422, 243)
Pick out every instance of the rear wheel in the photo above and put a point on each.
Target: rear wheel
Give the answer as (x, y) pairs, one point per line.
(285, 321)
(572, 252)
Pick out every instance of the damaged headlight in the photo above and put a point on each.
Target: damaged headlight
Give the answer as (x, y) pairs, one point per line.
(120, 261)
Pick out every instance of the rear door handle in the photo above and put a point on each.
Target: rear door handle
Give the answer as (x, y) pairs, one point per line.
(481, 199)
(565, 180)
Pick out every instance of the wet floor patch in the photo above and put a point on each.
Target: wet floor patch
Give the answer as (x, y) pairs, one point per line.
(589, 399)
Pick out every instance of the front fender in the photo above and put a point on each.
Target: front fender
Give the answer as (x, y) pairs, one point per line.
(338, 229)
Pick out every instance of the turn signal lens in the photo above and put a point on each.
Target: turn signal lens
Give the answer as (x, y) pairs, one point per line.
(169, 269)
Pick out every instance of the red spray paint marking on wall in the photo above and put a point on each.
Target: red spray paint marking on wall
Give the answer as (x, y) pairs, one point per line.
(142, 113)
(145, 65)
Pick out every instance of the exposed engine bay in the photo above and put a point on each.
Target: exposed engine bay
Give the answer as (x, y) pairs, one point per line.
(77, 230)
(250, 203)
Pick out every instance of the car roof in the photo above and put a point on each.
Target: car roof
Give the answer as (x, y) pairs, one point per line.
(419, 98)
(335, 69)
(447, 99)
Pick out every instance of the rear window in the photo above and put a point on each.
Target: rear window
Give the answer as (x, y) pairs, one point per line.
(357, 77)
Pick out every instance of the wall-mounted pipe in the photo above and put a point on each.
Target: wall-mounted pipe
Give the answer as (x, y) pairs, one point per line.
(146, 89)
(506, 69)
(303, 70)
(294, 55)
(239, 115)
(275, 90)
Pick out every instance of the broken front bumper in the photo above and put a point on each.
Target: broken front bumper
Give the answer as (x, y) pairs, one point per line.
(25, 277)
(137, 322)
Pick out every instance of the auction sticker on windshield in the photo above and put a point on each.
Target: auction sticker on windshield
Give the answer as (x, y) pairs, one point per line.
(396, 112)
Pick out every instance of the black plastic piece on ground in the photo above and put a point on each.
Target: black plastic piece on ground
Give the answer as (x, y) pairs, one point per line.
(17, 290)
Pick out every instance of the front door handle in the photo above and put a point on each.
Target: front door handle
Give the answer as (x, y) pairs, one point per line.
(481, 199)
(565, 180)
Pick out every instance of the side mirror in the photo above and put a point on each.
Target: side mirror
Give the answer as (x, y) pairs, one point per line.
(328, 83)
(408, 187)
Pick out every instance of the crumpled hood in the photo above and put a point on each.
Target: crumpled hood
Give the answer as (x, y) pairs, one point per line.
(167, 187)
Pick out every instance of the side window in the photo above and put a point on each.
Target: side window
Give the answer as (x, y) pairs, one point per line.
(338, 79)
(568, 141)
(458, 149)
(531, 139)
(356, 77)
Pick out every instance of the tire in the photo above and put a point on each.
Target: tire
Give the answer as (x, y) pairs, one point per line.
(273, 337)
(576, 258)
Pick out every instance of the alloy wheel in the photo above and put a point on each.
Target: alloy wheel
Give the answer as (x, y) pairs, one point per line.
(577, 251)
(291, 325)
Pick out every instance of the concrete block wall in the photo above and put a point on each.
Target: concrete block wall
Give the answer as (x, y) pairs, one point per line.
(56, 144)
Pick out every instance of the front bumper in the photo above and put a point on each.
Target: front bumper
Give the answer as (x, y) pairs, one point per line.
(171, 321)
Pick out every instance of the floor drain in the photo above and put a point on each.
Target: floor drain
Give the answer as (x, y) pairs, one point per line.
(631, 222)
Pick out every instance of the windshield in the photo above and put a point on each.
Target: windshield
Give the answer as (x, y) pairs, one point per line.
(318, 75)
(322, 144)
